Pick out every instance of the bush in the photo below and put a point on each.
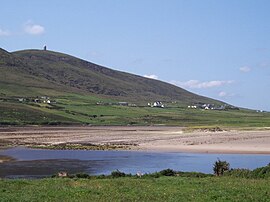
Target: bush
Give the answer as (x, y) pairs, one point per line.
(220, 167)
(263, 172)
(118, 173)
(168, 172)
(82, 175)
(245, 173)
(101, 176)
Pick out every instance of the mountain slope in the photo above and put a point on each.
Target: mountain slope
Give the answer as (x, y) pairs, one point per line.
(85, 93)
(73, 73)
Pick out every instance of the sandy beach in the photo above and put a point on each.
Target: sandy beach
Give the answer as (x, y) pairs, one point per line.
(152, 138)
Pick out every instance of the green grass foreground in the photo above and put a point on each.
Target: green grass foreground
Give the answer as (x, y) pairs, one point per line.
(137, 189)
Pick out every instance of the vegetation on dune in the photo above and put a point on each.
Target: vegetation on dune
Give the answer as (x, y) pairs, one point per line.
(82, 146)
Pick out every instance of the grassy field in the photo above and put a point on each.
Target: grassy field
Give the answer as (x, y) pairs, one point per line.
(71, 108)
(136, 189)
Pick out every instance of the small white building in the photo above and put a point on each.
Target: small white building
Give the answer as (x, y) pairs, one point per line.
(158, 104)
(21, 99)
(192, 106)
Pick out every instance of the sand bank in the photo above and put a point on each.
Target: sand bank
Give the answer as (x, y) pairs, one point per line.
(154, 138)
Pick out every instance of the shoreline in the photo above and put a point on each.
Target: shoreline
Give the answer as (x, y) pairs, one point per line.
(139, 138)
(200, 151)
(151, 150)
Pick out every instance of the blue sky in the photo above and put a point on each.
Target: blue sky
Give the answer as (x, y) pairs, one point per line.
(216, 48)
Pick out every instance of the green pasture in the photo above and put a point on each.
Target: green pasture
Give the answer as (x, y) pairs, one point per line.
(83, 109)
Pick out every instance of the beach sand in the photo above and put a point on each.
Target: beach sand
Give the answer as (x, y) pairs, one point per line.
(143, 138)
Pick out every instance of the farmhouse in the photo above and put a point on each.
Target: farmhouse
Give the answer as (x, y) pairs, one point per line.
(21, 99)
(157, 104)
(192, 107)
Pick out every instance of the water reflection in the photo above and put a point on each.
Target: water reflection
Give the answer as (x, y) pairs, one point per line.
(34, 163)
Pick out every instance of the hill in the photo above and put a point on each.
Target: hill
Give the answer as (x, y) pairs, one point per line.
(88, 77)
(46, 87)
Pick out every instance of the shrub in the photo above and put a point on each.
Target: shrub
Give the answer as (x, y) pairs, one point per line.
(118, 173)
(168, 172)
(263, 172)
(245, 173)
(82, 175)
(101, 176)
(220, 167)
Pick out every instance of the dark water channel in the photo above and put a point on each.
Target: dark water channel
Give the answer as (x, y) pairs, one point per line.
(34, 163)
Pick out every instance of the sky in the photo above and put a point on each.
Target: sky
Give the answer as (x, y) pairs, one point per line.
(215, 48)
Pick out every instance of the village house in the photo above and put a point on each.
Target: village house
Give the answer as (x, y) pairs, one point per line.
(21, 99)
(36, 100)
(156, 104)
(212, 107)
(192, 107)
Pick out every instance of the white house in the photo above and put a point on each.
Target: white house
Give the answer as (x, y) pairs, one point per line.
(158, 104)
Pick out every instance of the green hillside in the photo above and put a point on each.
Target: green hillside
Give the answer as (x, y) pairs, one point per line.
(45, 87)
(87, 77)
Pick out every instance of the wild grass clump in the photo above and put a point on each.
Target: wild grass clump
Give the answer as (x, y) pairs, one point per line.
(193, 174)
(263, 172)
(239, 172)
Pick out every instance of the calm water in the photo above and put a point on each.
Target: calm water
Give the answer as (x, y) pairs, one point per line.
(34, 163)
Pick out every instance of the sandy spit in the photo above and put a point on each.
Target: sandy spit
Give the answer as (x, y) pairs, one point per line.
(142, 138)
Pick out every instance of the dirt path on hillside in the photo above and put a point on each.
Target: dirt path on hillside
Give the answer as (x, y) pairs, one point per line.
(155, 138)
